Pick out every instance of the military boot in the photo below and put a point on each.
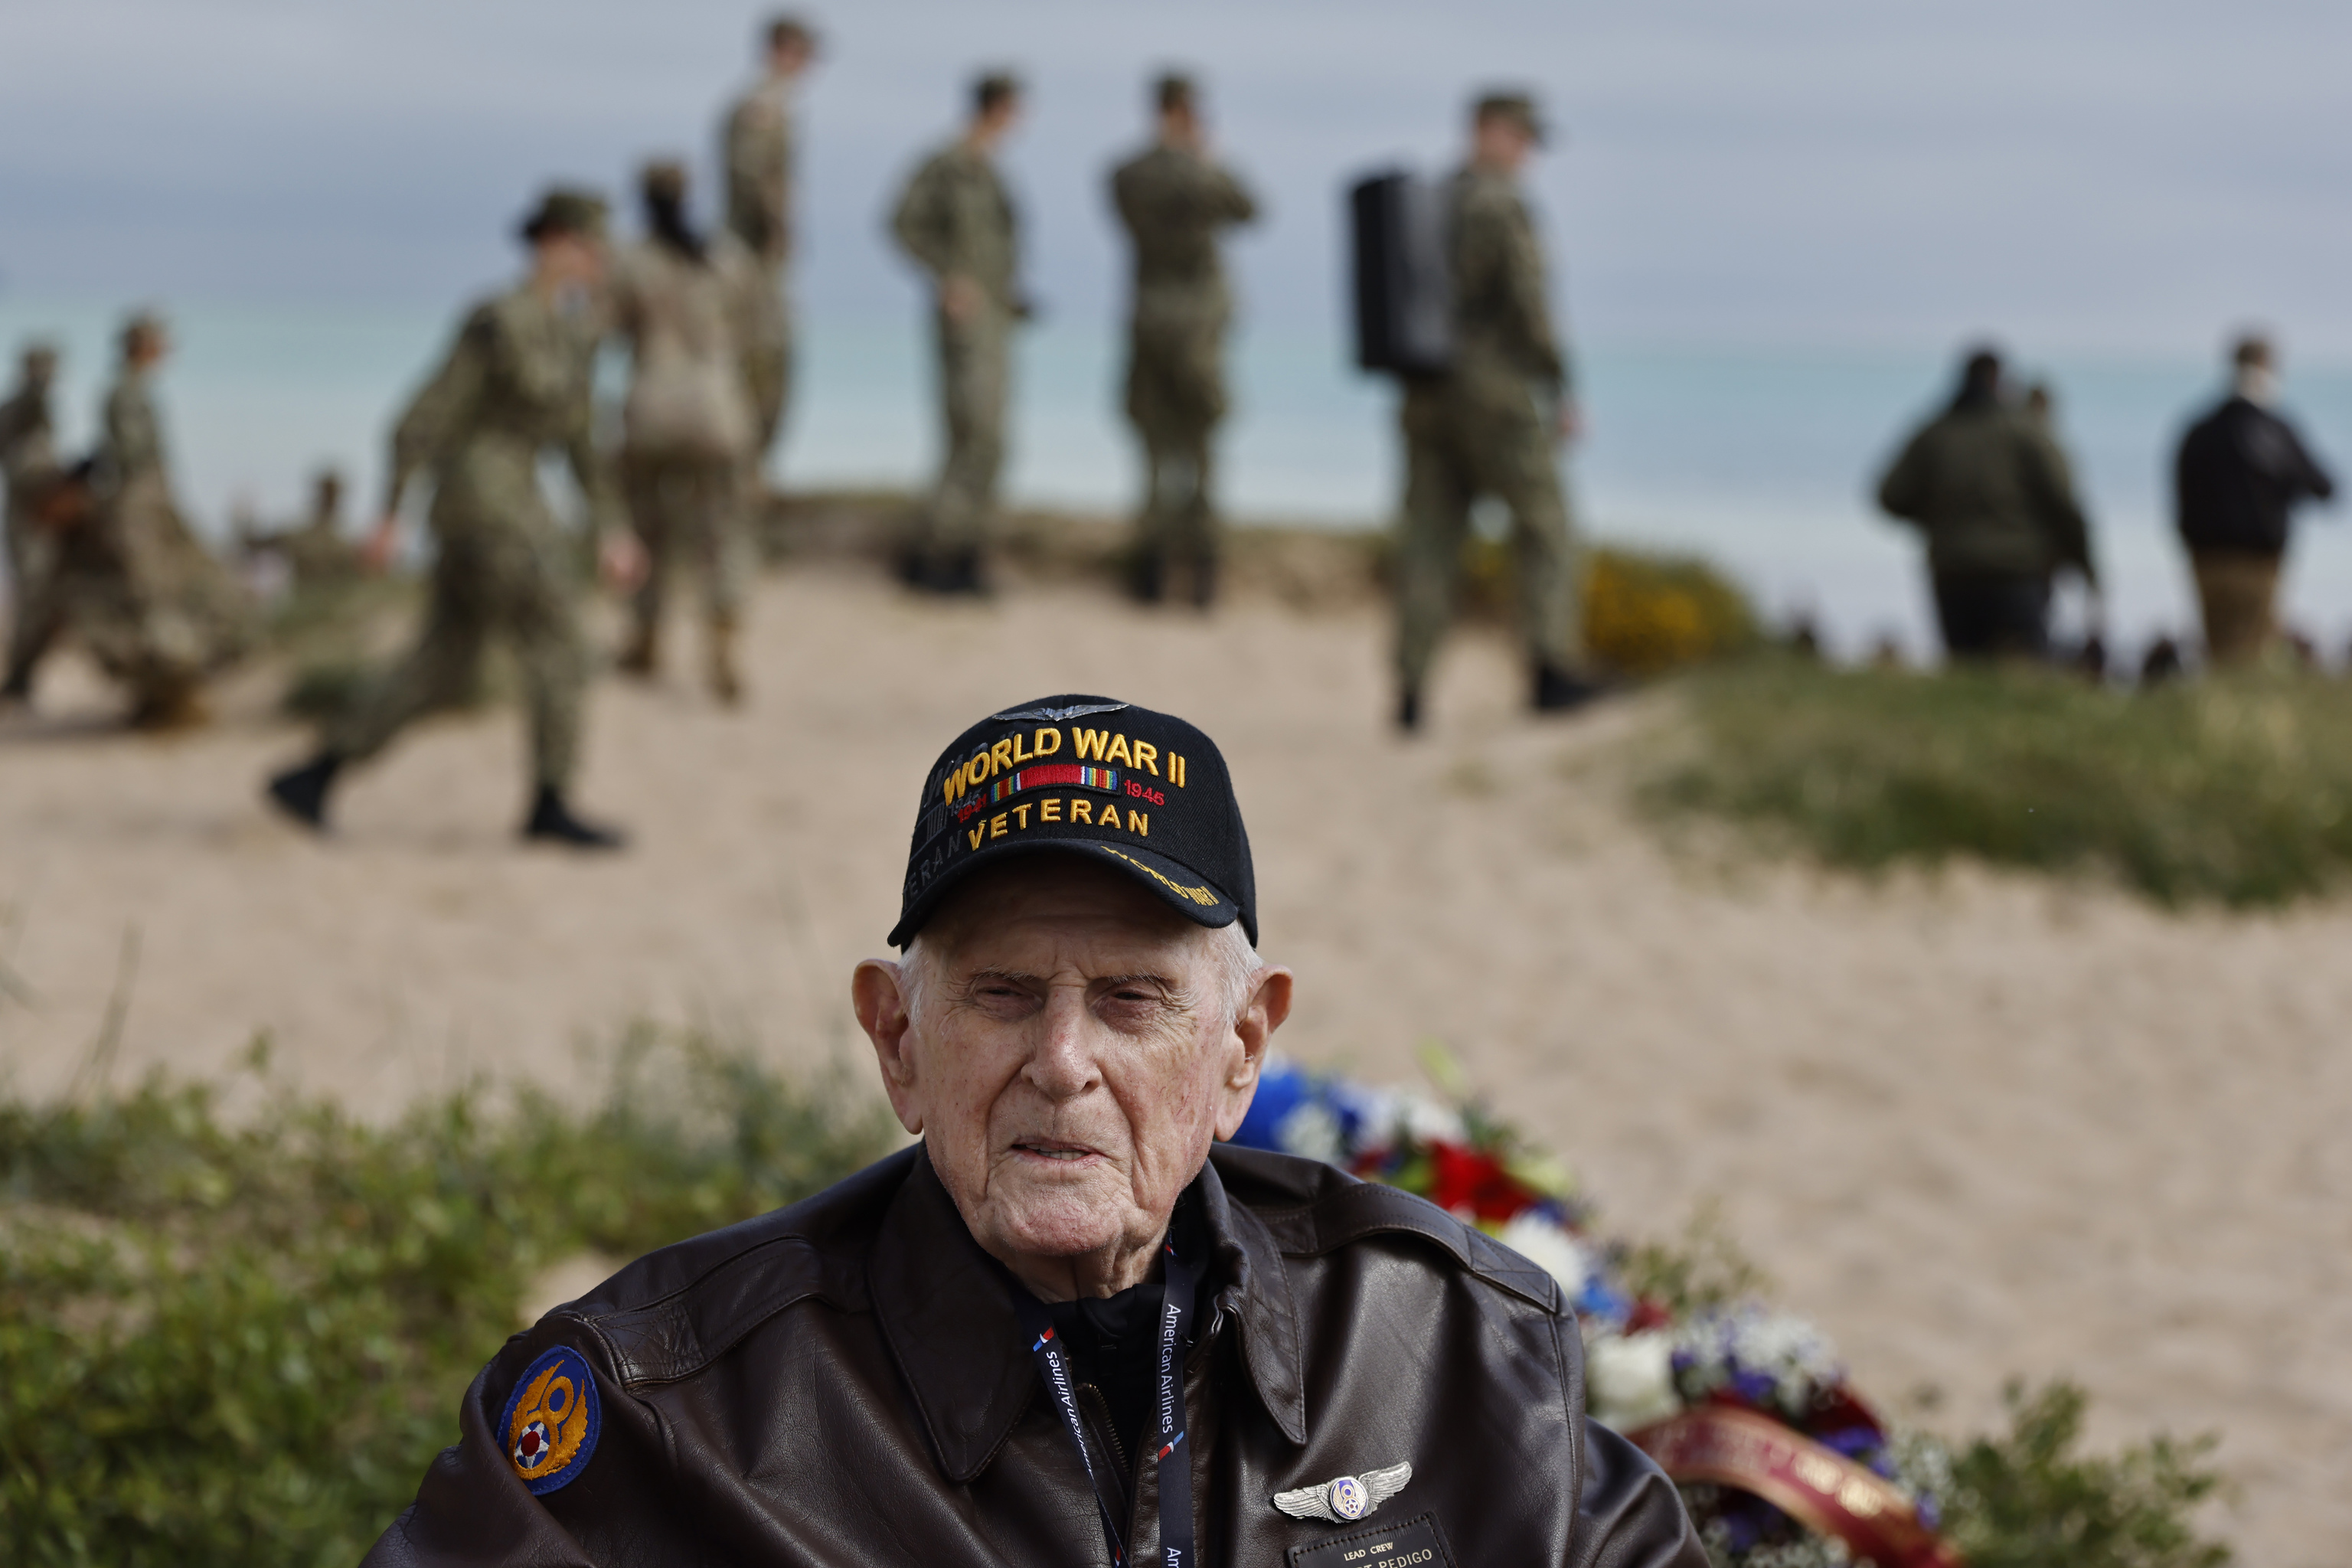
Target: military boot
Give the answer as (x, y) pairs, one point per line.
(1204, 583)
(179, 705)
(1147, 577)
(1408, 710)
(965, 574)
(642, 656)
(552, 822)
(725, 683)
(301, 793)
(1558, 691)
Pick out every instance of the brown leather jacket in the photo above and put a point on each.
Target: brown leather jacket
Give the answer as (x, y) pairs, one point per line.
(845, 1382)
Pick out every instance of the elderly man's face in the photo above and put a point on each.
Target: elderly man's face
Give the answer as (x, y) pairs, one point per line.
(1070, 1065)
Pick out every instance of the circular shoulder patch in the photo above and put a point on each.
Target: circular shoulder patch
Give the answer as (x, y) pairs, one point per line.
(552, 1421)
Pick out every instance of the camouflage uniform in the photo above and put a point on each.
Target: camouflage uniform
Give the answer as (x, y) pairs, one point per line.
(516, 383)
(317, 552)
(143, 595)
(758, 163)
(1174, 202)
(29, 467)
(1488, 427)
(687, 423)
(956, 220)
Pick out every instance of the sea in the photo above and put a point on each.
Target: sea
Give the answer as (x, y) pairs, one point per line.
(1760, 459)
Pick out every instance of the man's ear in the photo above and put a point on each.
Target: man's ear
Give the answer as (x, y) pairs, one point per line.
(1268, 1005)
(879, 999)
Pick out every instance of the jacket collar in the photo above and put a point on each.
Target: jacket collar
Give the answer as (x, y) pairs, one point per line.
(946, 1311)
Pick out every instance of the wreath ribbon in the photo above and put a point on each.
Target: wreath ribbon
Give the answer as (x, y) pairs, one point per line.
(1818, 1486)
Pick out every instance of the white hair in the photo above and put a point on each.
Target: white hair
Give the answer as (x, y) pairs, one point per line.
(1236, 962)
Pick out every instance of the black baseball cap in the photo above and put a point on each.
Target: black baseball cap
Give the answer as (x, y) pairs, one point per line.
(1143, 793)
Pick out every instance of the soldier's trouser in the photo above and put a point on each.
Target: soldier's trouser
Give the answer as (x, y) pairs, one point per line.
(36, 616)
(490, 580)
(1454, 456)
(689, 506)
(975, 375)
(150, 606)
(1175, 397)
(158, 653)
(768, 367)
(2235, 592)
(1178, 525)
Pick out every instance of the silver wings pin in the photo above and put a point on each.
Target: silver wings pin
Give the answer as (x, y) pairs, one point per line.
(1055, 715)
(1346, 1499)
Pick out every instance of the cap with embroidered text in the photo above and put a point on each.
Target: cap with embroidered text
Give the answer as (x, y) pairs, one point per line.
(1141, 791)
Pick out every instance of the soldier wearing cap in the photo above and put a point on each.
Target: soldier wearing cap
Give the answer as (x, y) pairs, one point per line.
(757, 151)
(30, 470)
(1175, 201)
(515, 384)
(692, 308)
(133, 584)
(1490, 425)
(955, 221)
(1066, 1326)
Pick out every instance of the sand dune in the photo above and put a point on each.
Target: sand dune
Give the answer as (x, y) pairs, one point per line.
(1975, 1125)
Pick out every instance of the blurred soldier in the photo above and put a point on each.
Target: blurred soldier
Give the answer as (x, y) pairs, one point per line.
(2241, 471)
(28, 464)
(1491, 425)
(758, 163)
(1989, 489)
(1175, 201)
(316, 553)
(515, 384)
(690, 309)
(133, 585)
(957, 223)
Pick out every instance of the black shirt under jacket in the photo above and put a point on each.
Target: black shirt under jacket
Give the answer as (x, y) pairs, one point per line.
(2241, 468)
(845, 1382)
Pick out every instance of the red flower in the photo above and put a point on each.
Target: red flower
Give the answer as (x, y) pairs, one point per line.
(1474, 1179)
(1649, 1312)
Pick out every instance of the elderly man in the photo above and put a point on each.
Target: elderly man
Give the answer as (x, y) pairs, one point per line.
(1063, 1328)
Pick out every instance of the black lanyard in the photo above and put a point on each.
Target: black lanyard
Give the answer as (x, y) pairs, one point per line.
(1174, 1463)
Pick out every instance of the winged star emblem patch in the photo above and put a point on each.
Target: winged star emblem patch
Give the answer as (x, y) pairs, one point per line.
(1055, 715)
(1347, 1499)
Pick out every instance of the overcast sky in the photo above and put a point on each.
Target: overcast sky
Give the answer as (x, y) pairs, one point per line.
(2109, 176)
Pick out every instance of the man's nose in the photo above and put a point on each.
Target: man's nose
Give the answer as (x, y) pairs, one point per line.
(1063, 1066)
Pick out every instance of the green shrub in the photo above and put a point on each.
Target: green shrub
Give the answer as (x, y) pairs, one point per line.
(2028, 1501)
(2230, 791)
(243, 1344)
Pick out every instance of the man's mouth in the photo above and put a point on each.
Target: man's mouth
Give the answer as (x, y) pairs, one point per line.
(1054, 1149)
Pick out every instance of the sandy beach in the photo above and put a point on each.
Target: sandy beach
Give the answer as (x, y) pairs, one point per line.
(1976, 1126)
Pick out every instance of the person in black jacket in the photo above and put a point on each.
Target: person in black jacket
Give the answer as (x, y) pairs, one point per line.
(2240, 470)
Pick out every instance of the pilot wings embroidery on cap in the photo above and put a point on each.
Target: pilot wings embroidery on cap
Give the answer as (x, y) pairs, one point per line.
(1347, 1499)
(1055, 715)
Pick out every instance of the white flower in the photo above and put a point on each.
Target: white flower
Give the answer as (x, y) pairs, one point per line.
(1629, 1379)
(1427, 1121)
(1312, 1131)
(1544, 1244)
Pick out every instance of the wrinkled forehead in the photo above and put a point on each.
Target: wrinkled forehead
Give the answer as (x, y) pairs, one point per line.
(1031, 907)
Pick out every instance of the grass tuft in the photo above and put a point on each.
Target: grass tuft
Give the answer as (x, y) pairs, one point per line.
(2233, 792)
